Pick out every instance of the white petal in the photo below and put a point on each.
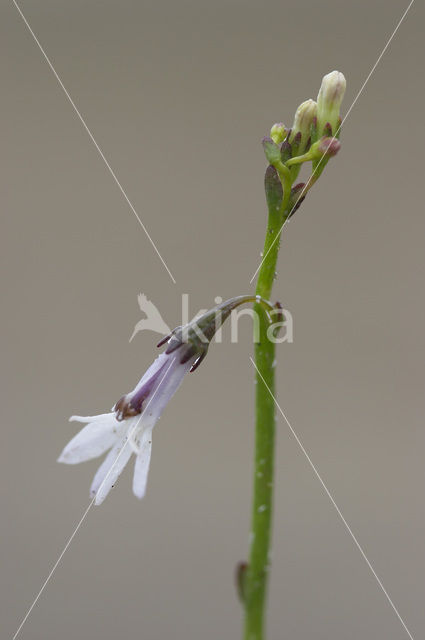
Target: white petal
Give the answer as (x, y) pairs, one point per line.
(141, 467)
(110, 469)
(98, 418)
(93, 440)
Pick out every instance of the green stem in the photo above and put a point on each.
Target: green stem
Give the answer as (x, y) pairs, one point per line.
(256, 577)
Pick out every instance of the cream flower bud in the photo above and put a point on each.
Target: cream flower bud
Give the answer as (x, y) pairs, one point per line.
(303, 121)
(329, 101)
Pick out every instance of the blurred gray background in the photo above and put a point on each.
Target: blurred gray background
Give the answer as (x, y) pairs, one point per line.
(178, 96)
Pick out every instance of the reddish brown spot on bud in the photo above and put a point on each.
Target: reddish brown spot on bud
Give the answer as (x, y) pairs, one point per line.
(297, 139)
(327, 130)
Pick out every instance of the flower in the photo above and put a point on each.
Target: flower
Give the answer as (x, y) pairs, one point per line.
(128, 427)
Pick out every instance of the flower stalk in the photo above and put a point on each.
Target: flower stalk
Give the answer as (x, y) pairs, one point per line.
(127, 428)
(255, 577)
(283, 199)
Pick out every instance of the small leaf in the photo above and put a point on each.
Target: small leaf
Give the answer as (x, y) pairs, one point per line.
(273, 188)
(271, 150)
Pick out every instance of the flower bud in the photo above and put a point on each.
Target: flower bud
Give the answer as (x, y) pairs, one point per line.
(328, 147)
(303, 121)
(329, 101)
(278, 132)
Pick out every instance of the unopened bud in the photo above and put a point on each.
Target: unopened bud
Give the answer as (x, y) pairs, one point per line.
(278, 132)
(303, 121)
(328, 147)
(329, 101)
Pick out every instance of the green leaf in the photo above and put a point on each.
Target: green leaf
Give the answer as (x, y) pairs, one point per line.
(271, 150)
(273, 188)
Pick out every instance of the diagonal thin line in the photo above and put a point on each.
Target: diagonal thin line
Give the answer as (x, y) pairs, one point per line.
(360, 91)
(44, 585)
(53, 568)
(102, 155)
(347, 526)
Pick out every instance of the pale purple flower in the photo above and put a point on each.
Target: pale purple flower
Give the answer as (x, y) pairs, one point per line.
(127, 429)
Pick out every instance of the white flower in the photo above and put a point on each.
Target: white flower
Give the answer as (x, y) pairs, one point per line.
(128, 428)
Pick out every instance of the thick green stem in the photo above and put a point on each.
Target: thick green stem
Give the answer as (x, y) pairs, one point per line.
(256, 576)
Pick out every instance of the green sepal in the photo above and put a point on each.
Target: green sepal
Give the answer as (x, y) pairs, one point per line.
(327, 130)
(296, 143)
(273, 188)
(285, 151)
(338, 128)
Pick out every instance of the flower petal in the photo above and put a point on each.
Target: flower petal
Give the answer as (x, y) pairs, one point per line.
(101, 416)
(111, 468)
(164, 389)
(141, 467)
(154, 368)
(94, 439)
